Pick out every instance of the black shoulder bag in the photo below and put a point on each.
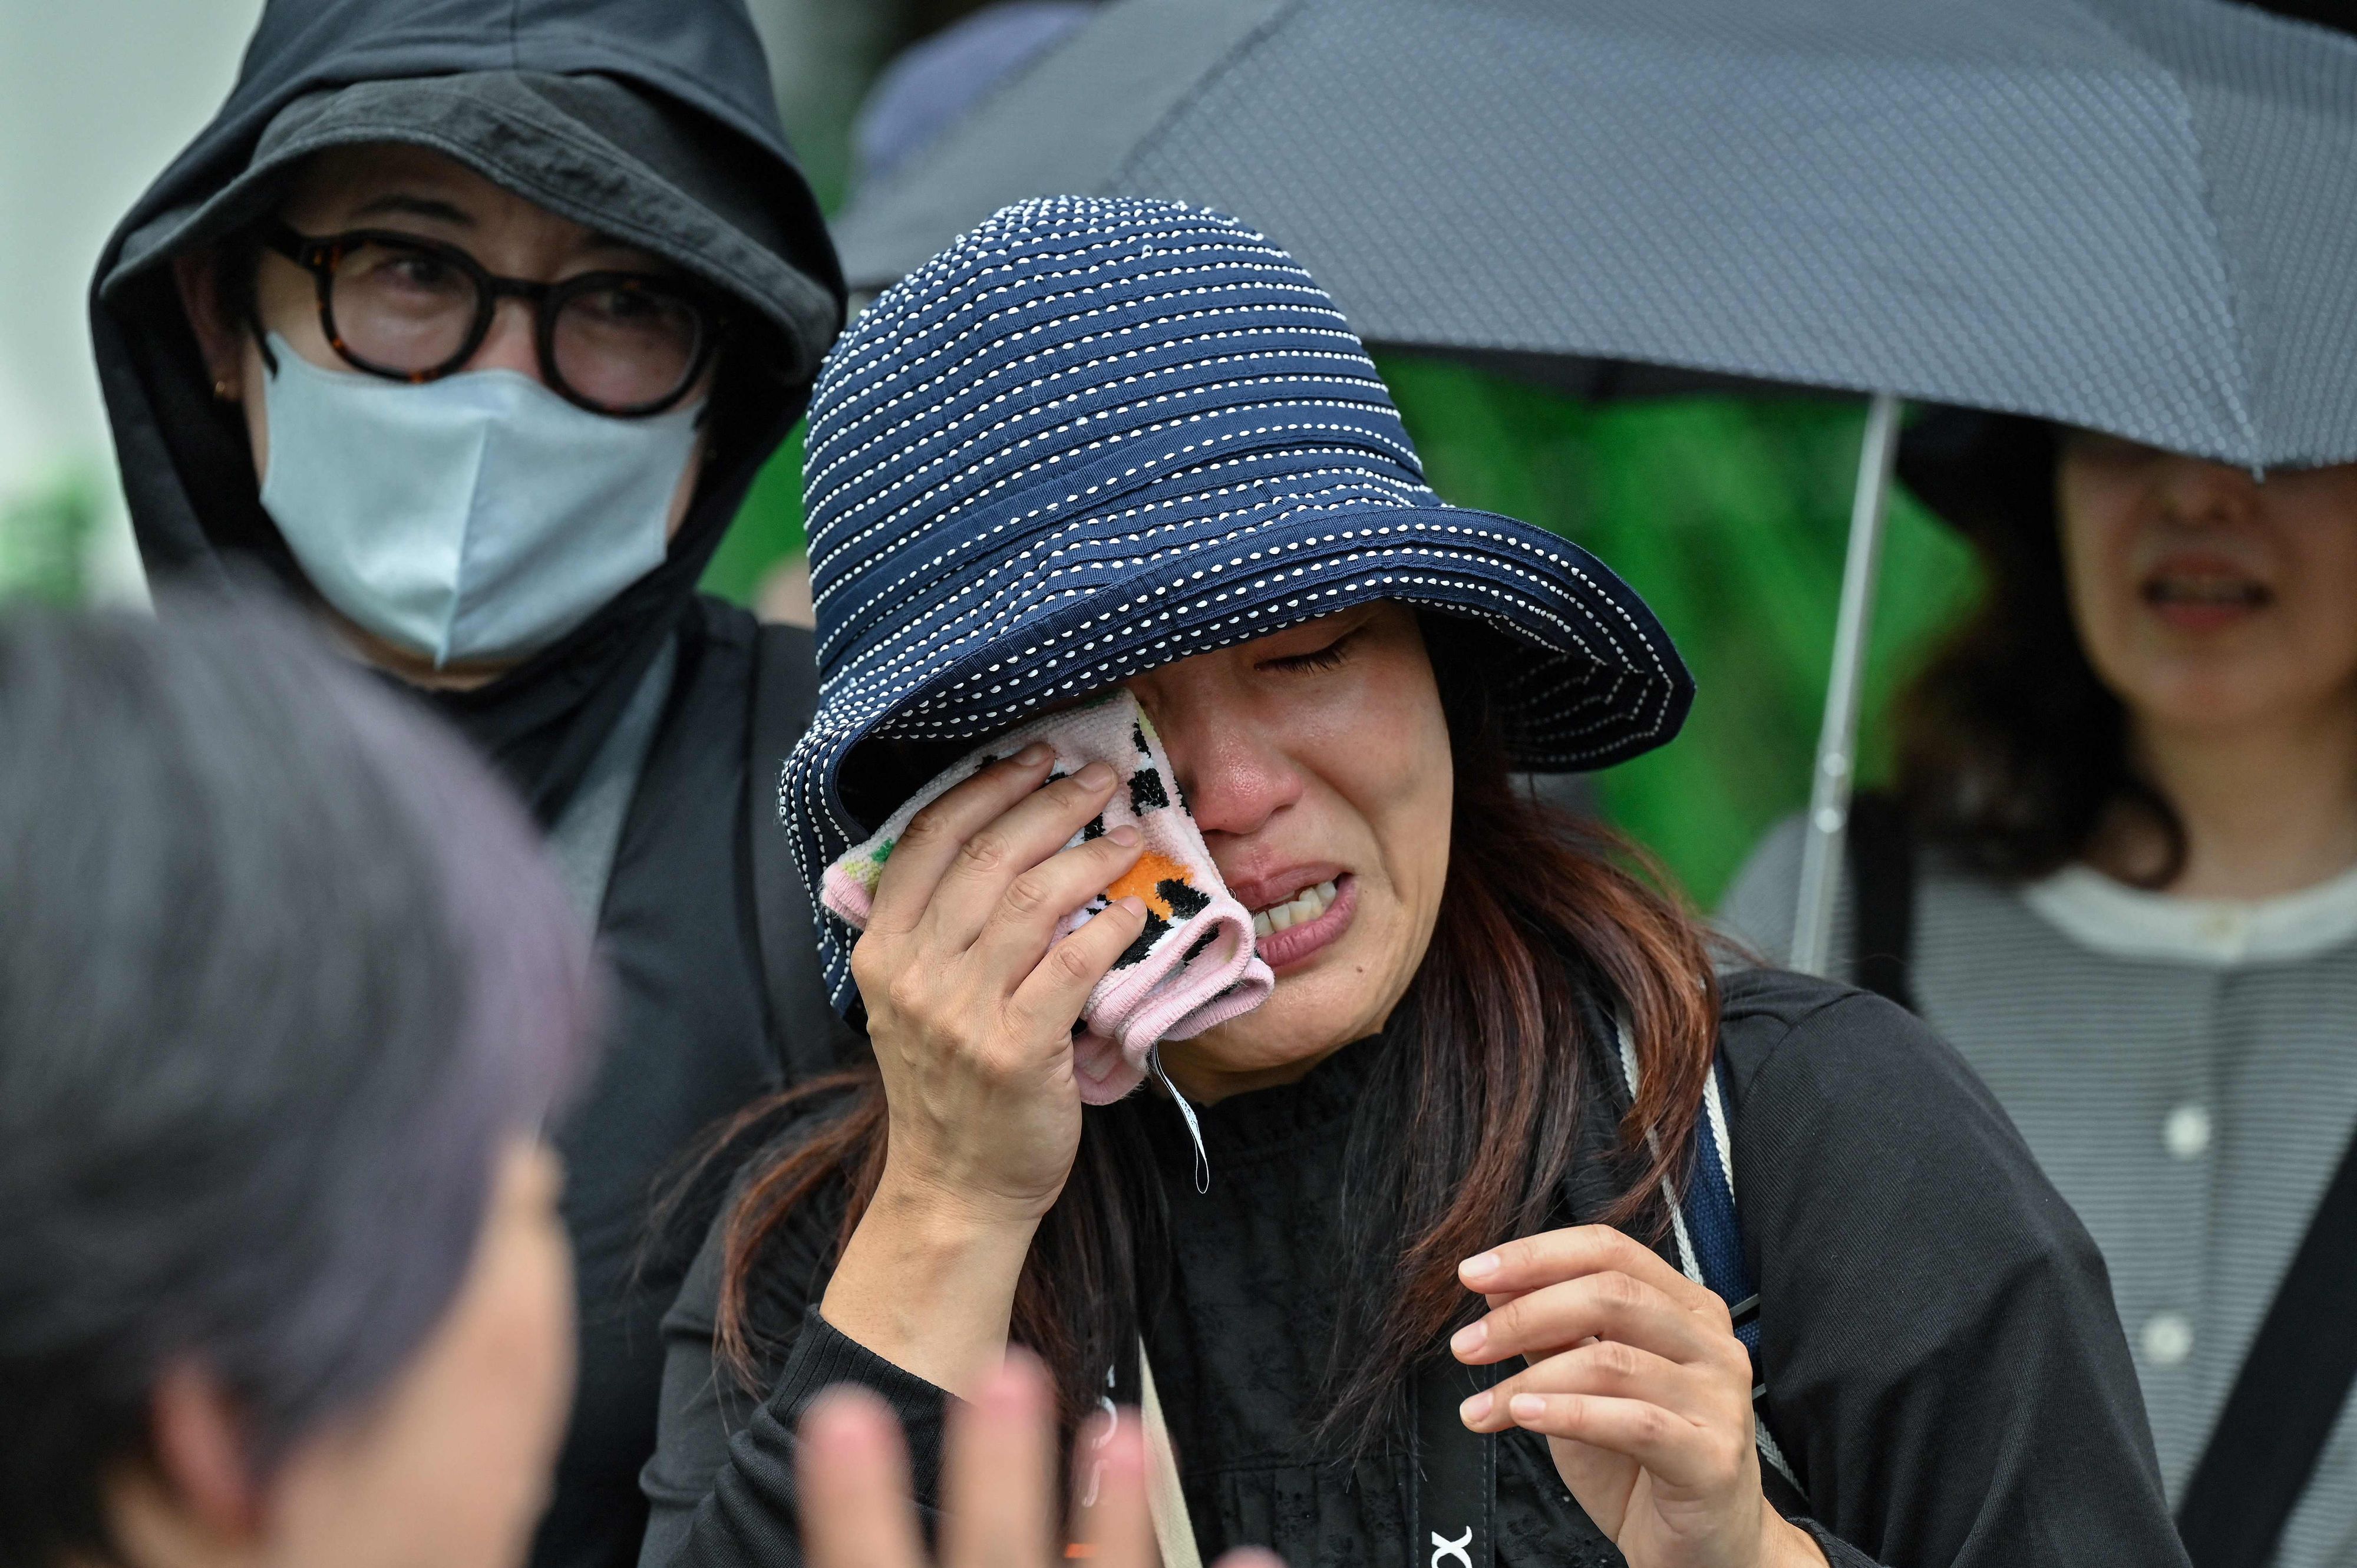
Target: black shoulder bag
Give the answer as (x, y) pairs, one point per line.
(2286, 1399)
(1882, 875)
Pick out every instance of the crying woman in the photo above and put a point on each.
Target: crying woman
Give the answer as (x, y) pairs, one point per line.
(1448, 1293)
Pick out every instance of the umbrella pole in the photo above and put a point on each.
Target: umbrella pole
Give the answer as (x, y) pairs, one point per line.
(1829, 789)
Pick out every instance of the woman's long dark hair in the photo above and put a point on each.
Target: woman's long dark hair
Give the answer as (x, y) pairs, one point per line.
(2011, 748)
(1485, 1090)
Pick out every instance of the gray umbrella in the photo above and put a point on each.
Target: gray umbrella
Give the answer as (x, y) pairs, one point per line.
(2137, 216)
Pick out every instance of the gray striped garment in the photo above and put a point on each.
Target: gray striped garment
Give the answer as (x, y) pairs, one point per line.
(2185, 1072)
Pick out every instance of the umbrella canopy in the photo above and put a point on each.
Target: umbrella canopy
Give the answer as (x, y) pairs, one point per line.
(2133, 215)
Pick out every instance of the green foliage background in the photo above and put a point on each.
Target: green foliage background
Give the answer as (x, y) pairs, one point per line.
(45, 532)
(1728, 515)
(768, 530)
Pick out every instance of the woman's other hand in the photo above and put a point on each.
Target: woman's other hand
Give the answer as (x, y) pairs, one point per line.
(1635, 1377)
(997, 1496)
(971, 1001)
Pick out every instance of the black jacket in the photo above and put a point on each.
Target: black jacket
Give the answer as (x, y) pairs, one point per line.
(699, 1022)
(1944, 1368)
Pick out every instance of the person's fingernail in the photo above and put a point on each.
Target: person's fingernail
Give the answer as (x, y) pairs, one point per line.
(1037, 752)
(1470, 1339)
(1135, 905)
(1479, 1267)
(1527, 1407)
(1123, 835)
(1096, 775)
(1477, 1407)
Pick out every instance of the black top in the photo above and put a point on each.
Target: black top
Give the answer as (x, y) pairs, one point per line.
(1946, 1369)
(684, 1029)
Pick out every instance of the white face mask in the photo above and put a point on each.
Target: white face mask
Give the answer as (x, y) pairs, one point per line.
(480, 516)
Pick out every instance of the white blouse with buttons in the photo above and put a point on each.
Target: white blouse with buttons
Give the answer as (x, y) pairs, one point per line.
(2186, 1072)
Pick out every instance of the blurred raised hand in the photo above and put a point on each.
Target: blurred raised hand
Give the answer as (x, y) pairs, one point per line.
(997, 1487)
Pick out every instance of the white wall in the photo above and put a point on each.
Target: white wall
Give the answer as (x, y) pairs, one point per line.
(96, 96)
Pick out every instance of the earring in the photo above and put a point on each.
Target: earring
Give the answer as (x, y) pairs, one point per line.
(224, 391)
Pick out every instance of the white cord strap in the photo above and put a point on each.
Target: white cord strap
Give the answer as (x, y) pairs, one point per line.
(1174, 1532)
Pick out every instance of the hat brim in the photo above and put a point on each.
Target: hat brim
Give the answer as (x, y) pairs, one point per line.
(1983, 473)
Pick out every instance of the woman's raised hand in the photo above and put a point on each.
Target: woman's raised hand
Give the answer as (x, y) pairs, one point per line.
(969, 1006)
(1635, 1377)
(971, 1001)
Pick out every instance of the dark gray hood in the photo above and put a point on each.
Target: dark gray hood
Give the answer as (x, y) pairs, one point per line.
(651, 120)
(591, 149)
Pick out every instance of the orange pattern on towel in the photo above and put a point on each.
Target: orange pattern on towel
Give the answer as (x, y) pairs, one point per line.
(1143, 880)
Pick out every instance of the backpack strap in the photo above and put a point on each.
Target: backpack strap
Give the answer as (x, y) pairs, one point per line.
(809, 1038)
(1881, 851)
(1709, 1236)
(2286, 1399)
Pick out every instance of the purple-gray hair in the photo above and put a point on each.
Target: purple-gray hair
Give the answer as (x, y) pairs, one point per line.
(281, 968)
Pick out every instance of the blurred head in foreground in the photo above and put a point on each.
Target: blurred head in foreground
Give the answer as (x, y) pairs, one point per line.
(285, 994)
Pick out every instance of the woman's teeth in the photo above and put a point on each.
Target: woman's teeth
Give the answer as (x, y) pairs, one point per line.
(1304, 905)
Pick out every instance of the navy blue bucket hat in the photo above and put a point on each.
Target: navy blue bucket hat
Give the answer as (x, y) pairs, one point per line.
(1095, 436)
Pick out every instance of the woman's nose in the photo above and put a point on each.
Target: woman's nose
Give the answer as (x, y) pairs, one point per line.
(510, 345)
(1233, 779)
(2198, 492)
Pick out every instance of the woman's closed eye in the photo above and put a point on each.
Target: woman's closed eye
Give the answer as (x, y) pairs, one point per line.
(1331, 656)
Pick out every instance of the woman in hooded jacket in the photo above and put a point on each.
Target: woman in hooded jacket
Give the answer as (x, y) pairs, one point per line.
(471, 323)
(1425, 1259)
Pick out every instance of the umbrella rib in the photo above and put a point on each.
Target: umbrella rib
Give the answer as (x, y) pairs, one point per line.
(1830, 785)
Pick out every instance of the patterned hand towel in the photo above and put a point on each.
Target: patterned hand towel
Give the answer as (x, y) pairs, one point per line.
(1192, 967)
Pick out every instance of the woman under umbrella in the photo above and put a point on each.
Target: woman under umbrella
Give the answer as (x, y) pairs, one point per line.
(1132, 443)
(2128, 809)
